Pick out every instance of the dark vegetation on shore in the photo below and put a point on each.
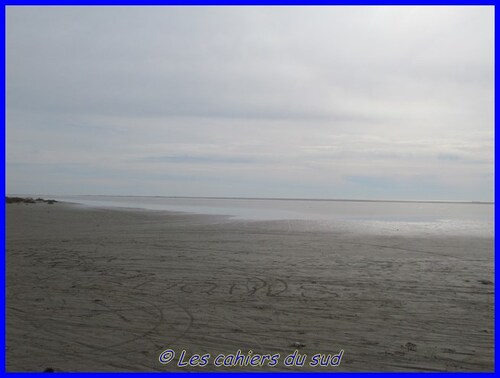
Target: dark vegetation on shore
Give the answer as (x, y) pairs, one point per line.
(28, 200)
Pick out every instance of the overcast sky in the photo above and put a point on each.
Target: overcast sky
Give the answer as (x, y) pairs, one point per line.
(311, 102)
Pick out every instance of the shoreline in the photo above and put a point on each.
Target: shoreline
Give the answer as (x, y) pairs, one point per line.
(458, 202)
(109, 290)
(413, 219)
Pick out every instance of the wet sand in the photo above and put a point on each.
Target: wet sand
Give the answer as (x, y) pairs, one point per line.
(109, 290)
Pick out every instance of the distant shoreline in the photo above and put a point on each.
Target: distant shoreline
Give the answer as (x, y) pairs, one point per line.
(27, 200)
(278, 199)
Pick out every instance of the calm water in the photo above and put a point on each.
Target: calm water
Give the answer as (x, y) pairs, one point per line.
(376, 216)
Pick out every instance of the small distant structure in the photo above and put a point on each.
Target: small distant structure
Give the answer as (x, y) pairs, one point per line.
(28, 200)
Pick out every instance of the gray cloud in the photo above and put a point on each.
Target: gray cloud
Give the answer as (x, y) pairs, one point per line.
(251, 99)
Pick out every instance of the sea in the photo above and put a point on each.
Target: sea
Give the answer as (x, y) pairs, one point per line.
(383, 217)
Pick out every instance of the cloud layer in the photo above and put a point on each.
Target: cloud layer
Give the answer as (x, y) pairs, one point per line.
(321, 102)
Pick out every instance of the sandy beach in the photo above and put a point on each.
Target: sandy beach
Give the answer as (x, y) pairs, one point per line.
(109, 290)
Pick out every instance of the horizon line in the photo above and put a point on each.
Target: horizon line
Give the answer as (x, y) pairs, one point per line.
(287, 199)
